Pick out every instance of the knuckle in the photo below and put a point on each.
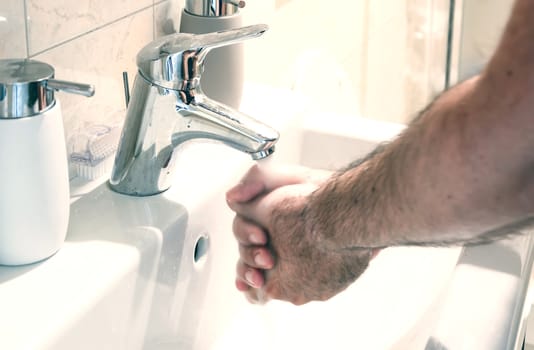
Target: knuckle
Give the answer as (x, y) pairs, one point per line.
(247, 255)
(236, 225)
(240, 268)
(239, 227)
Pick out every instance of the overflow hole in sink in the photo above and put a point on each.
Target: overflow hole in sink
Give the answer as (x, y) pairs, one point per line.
(201, 249)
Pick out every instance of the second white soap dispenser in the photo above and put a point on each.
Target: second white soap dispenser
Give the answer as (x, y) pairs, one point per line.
(223, 75)
(34, 180)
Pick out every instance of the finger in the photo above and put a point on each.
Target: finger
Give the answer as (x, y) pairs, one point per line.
(261, 179)
(249, 275)
(248, 233)
(257, 296)
(241, 286)
(253, 295)
(256, 211)
(257, 257)
(260, 210)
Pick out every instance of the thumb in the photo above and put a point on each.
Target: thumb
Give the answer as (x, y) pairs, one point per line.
(244, 192)
(260, 180)
(256, 210)
(260, 209)
(251, 185)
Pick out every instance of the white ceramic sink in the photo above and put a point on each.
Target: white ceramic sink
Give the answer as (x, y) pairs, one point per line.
(393, 305)
(158, 272)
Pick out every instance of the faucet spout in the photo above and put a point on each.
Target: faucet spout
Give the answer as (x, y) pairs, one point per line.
(208, 119)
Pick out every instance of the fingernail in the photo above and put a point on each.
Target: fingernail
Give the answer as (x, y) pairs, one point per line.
(256, 239)
(248, 276)
(233, 192)
(261, 260)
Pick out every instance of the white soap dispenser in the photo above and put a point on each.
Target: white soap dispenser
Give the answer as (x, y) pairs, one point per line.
(222, 79)
(34, 182)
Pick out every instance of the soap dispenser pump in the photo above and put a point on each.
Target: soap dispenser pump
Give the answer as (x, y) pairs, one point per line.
(223, 76)
(34, 180)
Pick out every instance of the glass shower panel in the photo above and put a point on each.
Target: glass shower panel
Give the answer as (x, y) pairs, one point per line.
(406, 57)
(379, 59)
(479, 28)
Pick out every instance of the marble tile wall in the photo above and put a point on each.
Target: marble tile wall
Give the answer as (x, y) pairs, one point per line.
(54, 22)
(99, 57)
(349, 59)
(12, 29)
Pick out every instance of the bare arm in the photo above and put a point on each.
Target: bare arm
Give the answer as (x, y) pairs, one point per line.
(462, 172)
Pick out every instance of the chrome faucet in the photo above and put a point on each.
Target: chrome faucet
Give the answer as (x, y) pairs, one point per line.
(167, 108)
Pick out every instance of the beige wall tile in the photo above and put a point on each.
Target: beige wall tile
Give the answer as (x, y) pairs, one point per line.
(12, 29)
(55, 21)
(361, 50)
(99, 58)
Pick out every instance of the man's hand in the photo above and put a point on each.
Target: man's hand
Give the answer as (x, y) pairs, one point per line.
(280, 255)
(259, 181)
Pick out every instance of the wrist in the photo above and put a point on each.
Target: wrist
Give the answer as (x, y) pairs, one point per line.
(320, 215)
(339, 212)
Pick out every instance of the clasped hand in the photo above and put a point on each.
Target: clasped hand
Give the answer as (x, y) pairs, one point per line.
(281, 254)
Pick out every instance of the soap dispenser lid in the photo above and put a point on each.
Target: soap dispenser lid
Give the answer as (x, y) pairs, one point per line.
(27, 88)
(22, 91)
(20, 71)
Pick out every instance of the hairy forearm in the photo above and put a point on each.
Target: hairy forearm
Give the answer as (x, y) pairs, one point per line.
(462, 172)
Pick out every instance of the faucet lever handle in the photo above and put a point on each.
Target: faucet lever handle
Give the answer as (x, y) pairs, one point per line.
(209, 41)
(176, 61)
(70, 87)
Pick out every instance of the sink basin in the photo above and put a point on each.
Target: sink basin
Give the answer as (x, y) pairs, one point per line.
(158, 272)
(393, 305)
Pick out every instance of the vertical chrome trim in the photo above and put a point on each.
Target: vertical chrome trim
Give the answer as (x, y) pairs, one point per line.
(455, 43)
(449, 43)
(27, 28)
